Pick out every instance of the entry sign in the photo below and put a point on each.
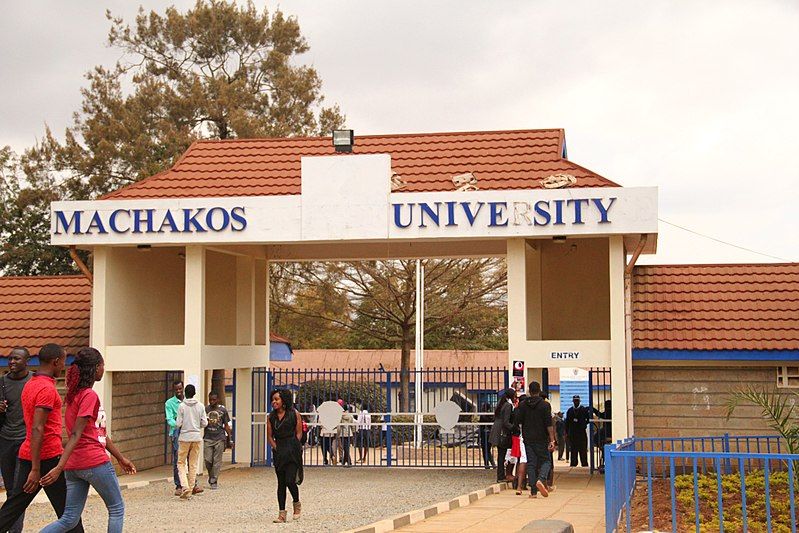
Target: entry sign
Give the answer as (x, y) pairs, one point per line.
(565, 356)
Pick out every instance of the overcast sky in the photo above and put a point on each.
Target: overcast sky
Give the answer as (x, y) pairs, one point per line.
(698, 98)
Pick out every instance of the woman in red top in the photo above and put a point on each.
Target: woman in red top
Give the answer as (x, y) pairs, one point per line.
(85, 460)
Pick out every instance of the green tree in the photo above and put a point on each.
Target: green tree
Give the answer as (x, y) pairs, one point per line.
(381, 303)
(25, 212)
(310, 326)
(216, 71)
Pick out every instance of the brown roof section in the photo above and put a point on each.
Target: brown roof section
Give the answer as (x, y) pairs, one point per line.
(426, 162)
(39, 310)
(447, 365)
(716, 307)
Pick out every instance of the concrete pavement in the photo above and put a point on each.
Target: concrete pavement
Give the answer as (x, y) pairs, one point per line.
(579, 499)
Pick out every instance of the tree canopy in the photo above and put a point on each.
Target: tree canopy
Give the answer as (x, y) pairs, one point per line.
(216, 71)
(372, 304)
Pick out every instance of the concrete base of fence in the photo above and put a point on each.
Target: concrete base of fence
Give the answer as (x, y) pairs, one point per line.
(412, 517)
(548, 526)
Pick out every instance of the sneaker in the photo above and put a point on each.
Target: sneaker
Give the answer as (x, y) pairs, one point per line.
(178, 491)
(214, 486)
(533, 496)
(185, 494)
(542, 488)
(197, 490)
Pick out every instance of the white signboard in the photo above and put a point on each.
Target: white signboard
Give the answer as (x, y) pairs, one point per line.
(349, 198)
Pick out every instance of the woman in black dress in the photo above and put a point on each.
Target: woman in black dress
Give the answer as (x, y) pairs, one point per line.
(284, 433)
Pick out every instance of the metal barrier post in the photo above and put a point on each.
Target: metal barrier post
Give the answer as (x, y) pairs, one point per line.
(726, 444)
(270, 385)
(610, 496)
(233, 450)
(388, 418)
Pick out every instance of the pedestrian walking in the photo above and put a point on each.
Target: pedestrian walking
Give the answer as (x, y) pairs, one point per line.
(328, 440)
(345, 432)
(364, 426)
(12, 432)
(535, 416)
(191, 420)
(85, 461)
(283, 433)
(486, 421)
(171, 410)
(500, 435)
(217, 433)
(577, 418)
(41, 450)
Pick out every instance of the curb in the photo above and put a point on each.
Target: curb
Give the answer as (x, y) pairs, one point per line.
(412, 517)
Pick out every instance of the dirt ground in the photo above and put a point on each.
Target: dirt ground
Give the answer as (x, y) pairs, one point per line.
(333, 499)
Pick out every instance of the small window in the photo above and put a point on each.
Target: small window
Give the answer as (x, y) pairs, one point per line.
(788, 377)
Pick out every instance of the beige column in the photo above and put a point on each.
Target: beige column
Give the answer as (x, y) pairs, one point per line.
(97, 329)
(618, 357)
(517, 299)
(194, 326)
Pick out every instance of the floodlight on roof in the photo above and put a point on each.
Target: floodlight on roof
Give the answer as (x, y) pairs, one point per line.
(343, 140)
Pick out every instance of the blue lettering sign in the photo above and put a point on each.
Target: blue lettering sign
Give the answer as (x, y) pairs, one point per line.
(62, 222)
(122, 221)
(496, 212)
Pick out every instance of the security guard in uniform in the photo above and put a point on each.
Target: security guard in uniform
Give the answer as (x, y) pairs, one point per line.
(577, 418)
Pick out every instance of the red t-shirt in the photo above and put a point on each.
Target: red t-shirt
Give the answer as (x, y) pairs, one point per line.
(40, 392)
(89, 452)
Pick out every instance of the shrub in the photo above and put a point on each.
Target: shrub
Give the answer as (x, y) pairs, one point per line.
(400, 434)
(320, 390)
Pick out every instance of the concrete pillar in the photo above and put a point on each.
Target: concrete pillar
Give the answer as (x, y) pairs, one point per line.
(243, 409)
(517, 299)
(97, 329)
(618, 357)
(194, 326)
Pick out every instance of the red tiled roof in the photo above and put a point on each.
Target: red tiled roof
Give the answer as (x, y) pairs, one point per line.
(716, 307)
(39, 310)
(426, 162)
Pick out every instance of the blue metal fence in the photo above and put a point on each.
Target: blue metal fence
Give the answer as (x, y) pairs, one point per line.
(703, 479)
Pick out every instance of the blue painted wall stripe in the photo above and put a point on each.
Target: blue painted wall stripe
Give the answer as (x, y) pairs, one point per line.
(716, 355)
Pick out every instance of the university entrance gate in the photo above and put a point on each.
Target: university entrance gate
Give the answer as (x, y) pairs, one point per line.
(180, 260)
(447, 426)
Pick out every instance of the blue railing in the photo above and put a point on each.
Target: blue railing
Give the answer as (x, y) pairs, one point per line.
(688, 483)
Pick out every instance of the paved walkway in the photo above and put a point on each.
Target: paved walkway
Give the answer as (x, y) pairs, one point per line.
(578, 499)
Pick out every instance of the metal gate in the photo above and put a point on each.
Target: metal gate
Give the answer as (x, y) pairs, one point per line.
(600, 428)
(382, 425)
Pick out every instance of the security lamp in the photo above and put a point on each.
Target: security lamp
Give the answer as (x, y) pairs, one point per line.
(144, 247)
(343, 140)
(559, 239)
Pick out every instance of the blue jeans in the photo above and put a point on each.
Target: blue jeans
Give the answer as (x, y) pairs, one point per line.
(539, 463)
(104, 480)
(175, 445)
